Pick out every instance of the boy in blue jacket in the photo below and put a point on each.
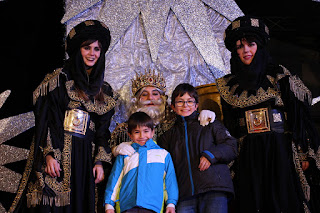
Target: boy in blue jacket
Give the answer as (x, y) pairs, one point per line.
(142, 175)
(200, 155)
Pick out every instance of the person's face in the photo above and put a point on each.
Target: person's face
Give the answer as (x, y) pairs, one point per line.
(184, 105)
(150, 93)
(246, 51)
(91, 53)
(141, 134)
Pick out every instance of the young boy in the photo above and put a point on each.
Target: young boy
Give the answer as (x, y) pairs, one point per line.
(200, 155)
(142, 175)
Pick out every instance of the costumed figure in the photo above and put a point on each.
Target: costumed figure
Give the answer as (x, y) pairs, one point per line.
(149, 96)
(73, 109)
(266, 108)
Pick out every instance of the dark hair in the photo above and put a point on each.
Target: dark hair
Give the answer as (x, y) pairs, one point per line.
(249, 39)
(90, 41)
(139, 119)
(99, 96)
(182, 89)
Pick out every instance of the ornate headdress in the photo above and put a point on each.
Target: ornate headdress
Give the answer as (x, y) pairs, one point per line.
(150, 78)
(89, 29)
(246, 26)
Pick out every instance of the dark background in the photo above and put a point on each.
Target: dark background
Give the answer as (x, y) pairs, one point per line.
(31, 46)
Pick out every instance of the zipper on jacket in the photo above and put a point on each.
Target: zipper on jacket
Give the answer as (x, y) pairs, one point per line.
(188, 156)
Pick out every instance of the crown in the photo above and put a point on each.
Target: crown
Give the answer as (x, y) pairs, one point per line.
(148, 79)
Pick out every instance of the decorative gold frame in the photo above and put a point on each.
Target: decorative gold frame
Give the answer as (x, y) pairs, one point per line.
(257, 120)
(76, 121)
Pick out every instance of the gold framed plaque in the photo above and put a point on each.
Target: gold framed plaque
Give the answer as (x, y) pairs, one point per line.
(257, 120)
(76, 121)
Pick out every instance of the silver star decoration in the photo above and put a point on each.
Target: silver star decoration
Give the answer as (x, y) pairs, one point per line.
(119, 14)
(315, 100)
(76, 7)
(4, 96)
(9, 128)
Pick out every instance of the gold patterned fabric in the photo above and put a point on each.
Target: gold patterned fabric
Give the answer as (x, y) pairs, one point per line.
(243, 100)
(103, 155)
(53, 98)
(49, 149)
(95, 106)
(24, 179)
(49, 83)
(61, 188)
(300, 91)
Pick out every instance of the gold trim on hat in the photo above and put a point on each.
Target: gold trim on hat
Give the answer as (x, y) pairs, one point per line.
(254, 22)
(235, 24)
(266, 29)
(103, 25)
(89, 23)
(72, 33)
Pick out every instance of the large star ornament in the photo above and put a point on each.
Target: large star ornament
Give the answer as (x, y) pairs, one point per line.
(119, 14)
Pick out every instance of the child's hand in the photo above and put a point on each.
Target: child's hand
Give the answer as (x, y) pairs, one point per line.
(110, 211)
(204, 163)
(170, 210)
(98, 173)
(52, 167)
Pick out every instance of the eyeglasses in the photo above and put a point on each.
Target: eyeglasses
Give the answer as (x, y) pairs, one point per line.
(188, 103)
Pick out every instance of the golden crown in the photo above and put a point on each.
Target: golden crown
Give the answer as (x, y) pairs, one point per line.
(150, 78)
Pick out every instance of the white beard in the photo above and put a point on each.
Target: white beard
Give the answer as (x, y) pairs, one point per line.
(156, 112)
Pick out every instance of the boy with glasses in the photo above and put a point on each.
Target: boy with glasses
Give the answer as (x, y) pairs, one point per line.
(200, 156)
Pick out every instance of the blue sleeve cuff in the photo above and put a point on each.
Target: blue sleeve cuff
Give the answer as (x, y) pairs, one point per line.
(209, 154)
(172, 201)
(110, 202)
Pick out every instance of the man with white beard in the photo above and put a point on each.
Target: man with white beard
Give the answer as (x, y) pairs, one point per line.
(151, 101)
(149, 96)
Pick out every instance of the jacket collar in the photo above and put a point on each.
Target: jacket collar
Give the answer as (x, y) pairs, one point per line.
(149, 144)
(193, 116)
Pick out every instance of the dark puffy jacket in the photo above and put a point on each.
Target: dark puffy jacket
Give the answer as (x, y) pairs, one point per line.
(212, 141)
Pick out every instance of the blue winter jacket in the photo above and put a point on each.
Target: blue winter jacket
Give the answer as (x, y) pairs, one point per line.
(141, 177)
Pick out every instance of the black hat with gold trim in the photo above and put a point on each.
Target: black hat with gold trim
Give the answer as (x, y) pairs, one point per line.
(246, 26)
(87, 30)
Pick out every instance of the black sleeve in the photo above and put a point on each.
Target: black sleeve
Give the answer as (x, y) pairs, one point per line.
(299, 119)
(230, 119)
(164, 139)
(224, 149)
